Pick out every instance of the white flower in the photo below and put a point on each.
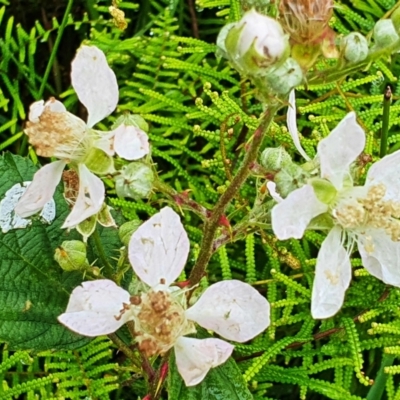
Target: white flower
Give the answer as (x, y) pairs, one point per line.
(54, 132)
(367, 215)
(158, 251)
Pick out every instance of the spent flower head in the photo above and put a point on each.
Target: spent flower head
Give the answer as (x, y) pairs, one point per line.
(158, 251)
(54, 132)
(366, 215)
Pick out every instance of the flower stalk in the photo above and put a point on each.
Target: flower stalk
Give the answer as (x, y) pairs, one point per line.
(212, 224)
(387, 99)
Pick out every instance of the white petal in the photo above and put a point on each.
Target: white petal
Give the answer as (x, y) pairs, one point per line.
(158, 250)
(55, 106)
(233, 309)
(292, 125)
(105, 142)
(94, 308)
(195, 357)
(36, 110)
(332, 276)
(340, 149)
(95, 83)
(41, 190)
(130, 142)
(380, 256)
(291, 216)
(387, 171)
(90, 198)
(271, 186)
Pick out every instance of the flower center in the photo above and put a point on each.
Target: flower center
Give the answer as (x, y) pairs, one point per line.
(160, 321)
(370, 212)
(59, 134)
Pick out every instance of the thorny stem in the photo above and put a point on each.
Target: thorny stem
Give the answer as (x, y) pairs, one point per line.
(212, 223)
(101, 253)
(125, 349)
(334, 74)
(387, 98)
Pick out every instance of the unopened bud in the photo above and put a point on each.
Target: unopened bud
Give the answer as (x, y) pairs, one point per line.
(71, 255)
(385, 33)
(289, 178)
(135, 180)
(354, 47)
(126, 230)
(285, 77)
(256, 43)
(275, 158)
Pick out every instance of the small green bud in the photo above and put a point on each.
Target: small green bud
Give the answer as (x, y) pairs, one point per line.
(275, 158)
(395, 17)
(284, 78)
(132, 120)
(385, 33)
(324, 190)
(126, 230)
(354, 47)
(135, 180)
(71, 255)
(99, 162)
(289, 178)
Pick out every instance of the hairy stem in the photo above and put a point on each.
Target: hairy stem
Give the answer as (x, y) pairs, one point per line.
(212, 223)
(126, 350)
(101, 253)
(387, 98)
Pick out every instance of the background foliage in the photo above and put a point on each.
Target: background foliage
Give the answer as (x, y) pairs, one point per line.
(201, 114)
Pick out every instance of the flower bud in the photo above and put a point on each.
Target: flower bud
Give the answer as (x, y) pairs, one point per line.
(284, 78)
(275, 158)
(256, 42)
(71, 255)
(126, 230)
(385, 33)
(354, 47)
(289, 178)
(135, 180)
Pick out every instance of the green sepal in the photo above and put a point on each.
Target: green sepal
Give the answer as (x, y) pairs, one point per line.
(323, 189)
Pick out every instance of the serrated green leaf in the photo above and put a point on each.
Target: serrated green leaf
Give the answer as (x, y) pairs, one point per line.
(34, 290)
(221, 383)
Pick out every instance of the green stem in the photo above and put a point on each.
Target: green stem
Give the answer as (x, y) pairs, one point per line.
(101, 253)
(387, 99)
(212, 224)
(334, 74)
(376, 391)
(55, 48)
(126, 350)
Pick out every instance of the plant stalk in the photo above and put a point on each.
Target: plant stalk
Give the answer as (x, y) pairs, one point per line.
(212, 223)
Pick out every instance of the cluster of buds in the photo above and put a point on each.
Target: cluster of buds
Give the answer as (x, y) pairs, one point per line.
(89, 153)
